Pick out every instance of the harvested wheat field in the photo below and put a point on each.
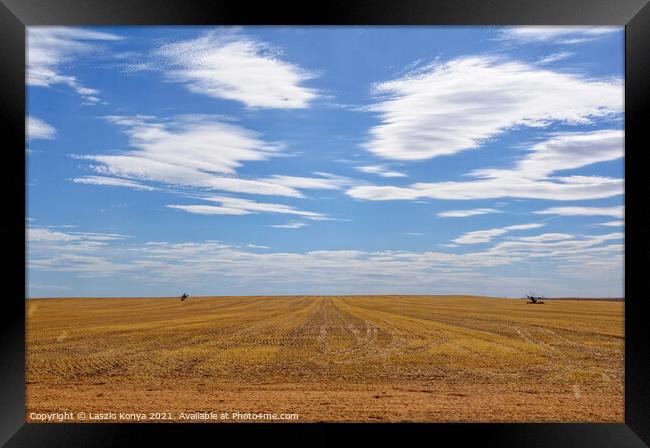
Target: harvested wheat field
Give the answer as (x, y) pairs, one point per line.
(331, 359)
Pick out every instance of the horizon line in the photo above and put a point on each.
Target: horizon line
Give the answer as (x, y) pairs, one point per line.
(331, 295)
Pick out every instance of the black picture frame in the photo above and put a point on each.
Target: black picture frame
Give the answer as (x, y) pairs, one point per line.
(15, 15)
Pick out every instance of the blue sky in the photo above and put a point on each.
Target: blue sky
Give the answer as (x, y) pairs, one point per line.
(325, 160)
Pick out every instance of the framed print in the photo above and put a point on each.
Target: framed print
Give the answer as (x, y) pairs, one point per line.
(411, 217)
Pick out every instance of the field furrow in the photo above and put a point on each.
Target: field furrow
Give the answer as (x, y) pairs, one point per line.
(343, 358)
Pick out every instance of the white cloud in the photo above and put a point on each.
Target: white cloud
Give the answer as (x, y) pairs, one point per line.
(41, 234)
(238, 206)
(451, 107)
(554, 57)
(564, 151)
(38, 129)
(531, 176)
(485, 236)
(94, 236)
(614, 212)
(52, 50)
(209, 144)
(83, 253)
(246, 204)
(562, 248)
(544, 237)
(210, 210)
(479, 236)
(612, 223)
(200, 151)
(291, 225)
(590, 265)
(501, 187)
(380, 170)
(112, 182)
(45, 234)
(524, 226)
(466, 213)
(197, 151)
(326, 182)
(559, 34)
(230, 65)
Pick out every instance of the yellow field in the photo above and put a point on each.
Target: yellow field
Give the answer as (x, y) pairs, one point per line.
(348, 358)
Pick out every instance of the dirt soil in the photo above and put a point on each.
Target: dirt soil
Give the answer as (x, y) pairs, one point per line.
(324, 359)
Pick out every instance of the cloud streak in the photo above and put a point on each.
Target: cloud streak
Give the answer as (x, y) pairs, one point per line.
(51, 51)
(227, 64)
(559, 34)
(379, 170)
(485, 236)
(554, 57)
(456, 106)
(238, 206)
(38, 129)
(614, 212)
(532, 176)
(212, 150)
(112, 182)
(290, 225)
(597, 258)
(466, 213)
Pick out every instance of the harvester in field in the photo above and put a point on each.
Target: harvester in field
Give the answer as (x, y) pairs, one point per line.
(533, 299)
(184, 296)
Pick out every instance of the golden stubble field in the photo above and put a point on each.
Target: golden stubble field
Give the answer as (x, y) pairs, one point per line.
(331, 359)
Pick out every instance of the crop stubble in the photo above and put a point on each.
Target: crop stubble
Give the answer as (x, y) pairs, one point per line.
(335, 358)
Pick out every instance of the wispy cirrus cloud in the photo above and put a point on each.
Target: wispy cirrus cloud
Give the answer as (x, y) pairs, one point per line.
(532, 176)
(257, 246)
(564, 151)
(596, 258)
(229, 64)
(564, 248)
(554, 57)
(290, 225)
(559, 34)
(112, 182)
(379, 170)
(210, 145)
(238, 206)
(39, 129)
(199, 209)
(544, 237)
(324, 181)
(455, 106)
(612, 224)
(45, 234)
(485, 236)
(467, 213)
(614, 212)
(77, 252)
(212, 150)
(51, 51)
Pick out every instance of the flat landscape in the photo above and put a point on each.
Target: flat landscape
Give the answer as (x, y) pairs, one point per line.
(326, 359)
